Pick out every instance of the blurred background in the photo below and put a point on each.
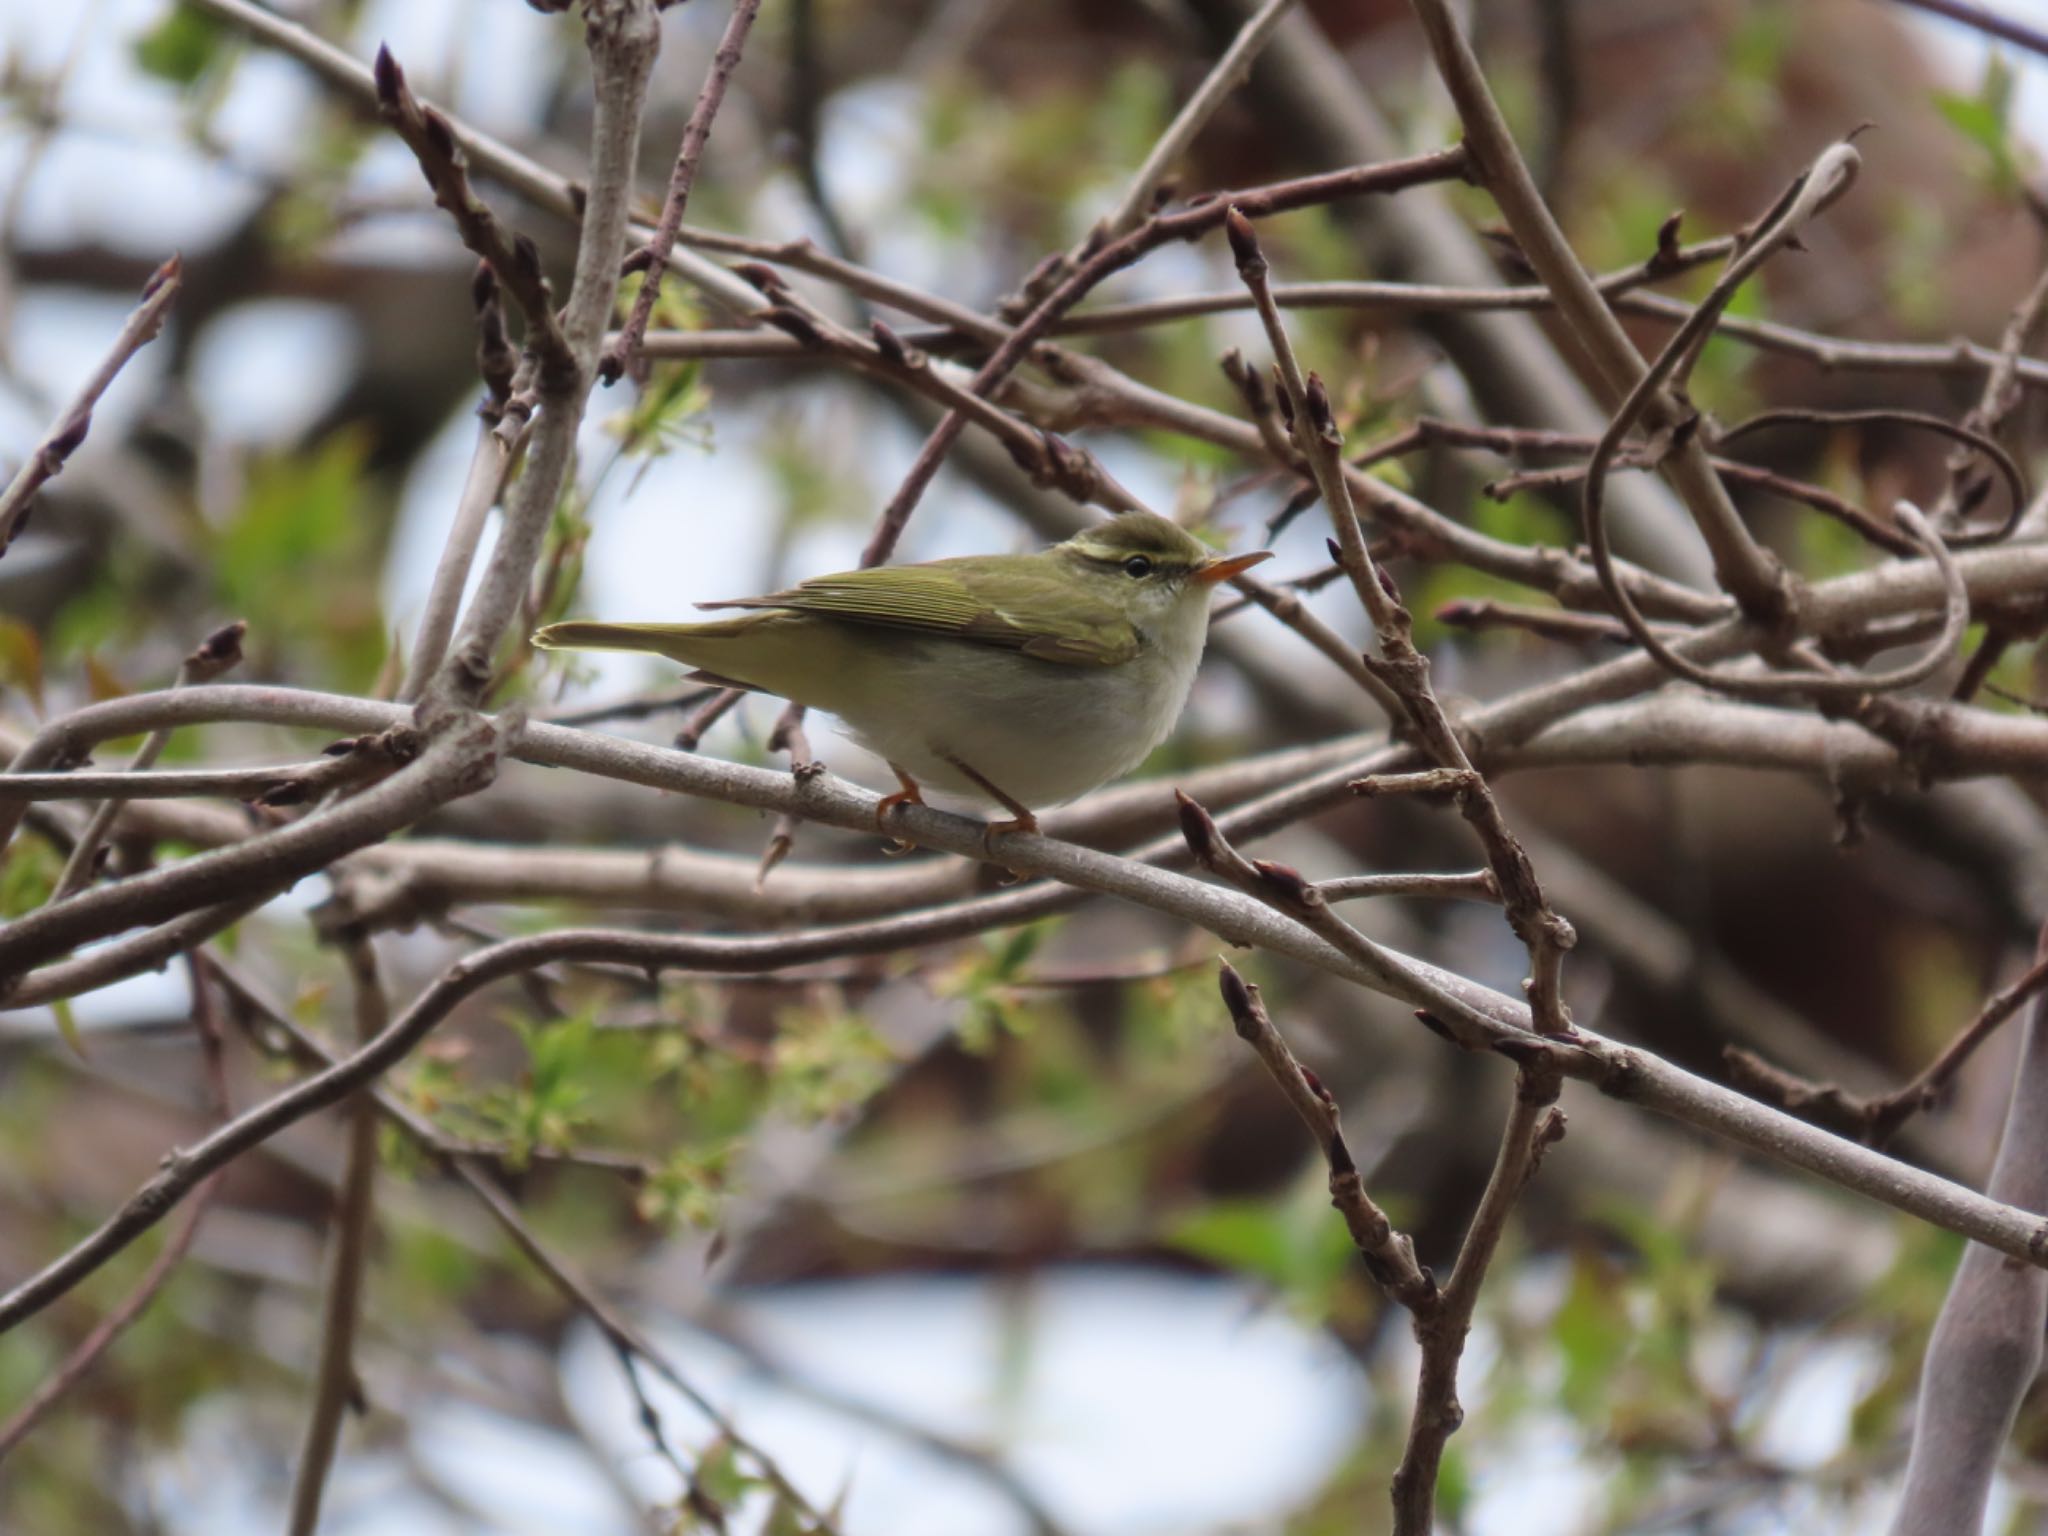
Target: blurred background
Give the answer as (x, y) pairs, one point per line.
(1013, 1235)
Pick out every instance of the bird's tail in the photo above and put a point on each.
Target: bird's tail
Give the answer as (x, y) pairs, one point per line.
(754, 650)
(678, 642)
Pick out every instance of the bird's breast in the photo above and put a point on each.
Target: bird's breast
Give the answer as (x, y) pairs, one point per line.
(1041, 731)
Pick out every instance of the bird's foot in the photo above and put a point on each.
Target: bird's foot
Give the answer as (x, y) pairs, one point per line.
(1023, 822)
(909, 794)
(1021, 819)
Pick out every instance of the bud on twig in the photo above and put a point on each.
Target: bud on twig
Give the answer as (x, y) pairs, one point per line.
(1244, 246)
(219, 652)
(1197, 826)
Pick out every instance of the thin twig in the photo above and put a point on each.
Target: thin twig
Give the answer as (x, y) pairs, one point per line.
(651, 260)
(2000, 395)
(70, 428)
(1824, 181)
(1877, 1118)
(1388, 1254)
(89, 1350)
(1399, 665)
(334, 1380)
(512, 258)
(458, 763)
(1189, 222)
(1532, 1126)
(219, 653)
(1985, 20)
(1549, 623)
(1226, 76)
(489, 464)
(1744, 567)
(622, 36)
(1969, 437)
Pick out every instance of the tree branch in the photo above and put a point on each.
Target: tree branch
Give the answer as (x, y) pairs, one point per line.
(334, 1381)
(1986, 1345)
(651, 259)
(70, 428)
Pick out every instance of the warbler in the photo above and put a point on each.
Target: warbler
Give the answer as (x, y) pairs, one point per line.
(1017, 680)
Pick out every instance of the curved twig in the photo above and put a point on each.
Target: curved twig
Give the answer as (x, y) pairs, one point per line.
(1828, 178)
(2006, 465)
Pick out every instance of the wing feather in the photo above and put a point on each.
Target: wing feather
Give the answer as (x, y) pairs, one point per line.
(943, 598)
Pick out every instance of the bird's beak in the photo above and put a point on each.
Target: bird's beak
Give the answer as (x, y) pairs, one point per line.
(1223, 567)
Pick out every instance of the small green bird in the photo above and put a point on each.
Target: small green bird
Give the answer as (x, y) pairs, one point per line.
(1024, 680)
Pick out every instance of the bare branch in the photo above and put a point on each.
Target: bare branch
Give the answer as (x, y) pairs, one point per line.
(1399, 665)
(334, 1379)
(623, 36)
(513, 259)
(1388, 1253)
(490, 463)
(1987, 21)
(652, 258)
(1472, 885)
(461, 762)
(219, 653)
(1532, 1126)
(70, 428)
(89, 1350)
(1189, 222)
(1227, 75)
(1744, 567)
(1986, 1345)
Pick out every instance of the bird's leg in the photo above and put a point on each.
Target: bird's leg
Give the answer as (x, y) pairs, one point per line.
(1021, 819)
(909, 794)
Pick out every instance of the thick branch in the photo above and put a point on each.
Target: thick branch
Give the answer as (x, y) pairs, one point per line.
(1743, 566)
(1986, 1345)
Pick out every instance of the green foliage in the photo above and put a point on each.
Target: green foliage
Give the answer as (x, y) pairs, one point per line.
(1827, 546)
(825, 1061)
(21, 660)
(990, 1006)
(561, 562)
(1622, 213)
(1936, 985)
(2014, 675)
(1984, 119)
(672, 409)
(688, 1189)
(1627, 1336)
(547, 1107)
(1299, 1246)
(426, 1269)
(1167, 1017)
(29, 867)
(1916, 247)
(307, 211)
(184, 46)
(1748, 102)
(811, 490)
(304, 512)
(1033, 159)
(1902, 1307)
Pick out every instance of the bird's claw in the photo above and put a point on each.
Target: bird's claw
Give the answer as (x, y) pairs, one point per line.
(995, 829)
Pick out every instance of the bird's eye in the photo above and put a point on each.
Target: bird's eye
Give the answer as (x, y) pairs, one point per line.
(1137, 567)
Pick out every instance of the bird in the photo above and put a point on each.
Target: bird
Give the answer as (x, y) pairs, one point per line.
(1017, 680)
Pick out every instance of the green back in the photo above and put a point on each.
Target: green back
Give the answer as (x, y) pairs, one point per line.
(1028, 603)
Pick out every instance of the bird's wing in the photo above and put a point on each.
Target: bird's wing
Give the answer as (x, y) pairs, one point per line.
(941, 598)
